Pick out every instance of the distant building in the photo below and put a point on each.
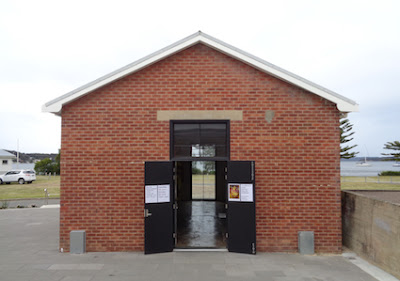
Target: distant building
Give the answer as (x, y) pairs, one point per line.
(6, 159)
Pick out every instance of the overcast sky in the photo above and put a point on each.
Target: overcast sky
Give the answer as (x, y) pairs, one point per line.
(48, 48)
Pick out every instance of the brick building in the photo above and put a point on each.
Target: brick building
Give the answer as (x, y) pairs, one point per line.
(200, 145)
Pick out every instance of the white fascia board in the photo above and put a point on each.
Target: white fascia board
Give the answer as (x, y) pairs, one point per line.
(53, 108)
(343, 104)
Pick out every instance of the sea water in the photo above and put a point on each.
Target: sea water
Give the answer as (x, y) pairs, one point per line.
(23, 166)
(350, 168)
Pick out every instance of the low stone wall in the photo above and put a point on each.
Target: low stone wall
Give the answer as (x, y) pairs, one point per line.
(371, 228)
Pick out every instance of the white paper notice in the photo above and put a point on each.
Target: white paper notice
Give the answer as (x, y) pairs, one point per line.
(246, 192)
(151, 194)
(163, 193)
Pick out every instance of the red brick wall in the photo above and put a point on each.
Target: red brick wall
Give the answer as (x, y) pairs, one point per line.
(109, 134)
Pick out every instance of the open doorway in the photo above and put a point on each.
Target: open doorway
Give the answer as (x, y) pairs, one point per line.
(161, 212)
(201, 198)
(200, 214)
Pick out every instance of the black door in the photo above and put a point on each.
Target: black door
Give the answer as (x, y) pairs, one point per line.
(158, 212)
(241, 213)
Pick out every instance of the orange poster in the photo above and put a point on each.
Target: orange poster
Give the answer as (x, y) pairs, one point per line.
(234, 192)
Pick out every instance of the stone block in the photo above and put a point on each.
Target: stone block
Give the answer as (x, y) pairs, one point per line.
(306, 242)
(77, 241)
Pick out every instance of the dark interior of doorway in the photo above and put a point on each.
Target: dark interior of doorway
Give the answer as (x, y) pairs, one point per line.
(201, 198)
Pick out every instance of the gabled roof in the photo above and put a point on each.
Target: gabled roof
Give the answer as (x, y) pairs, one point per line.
(6, 154)
(343, 104)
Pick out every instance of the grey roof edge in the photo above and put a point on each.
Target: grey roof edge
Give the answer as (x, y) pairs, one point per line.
(181, 42)
(4, 153)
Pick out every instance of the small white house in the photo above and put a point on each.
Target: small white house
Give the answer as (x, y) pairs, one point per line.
(6, 160)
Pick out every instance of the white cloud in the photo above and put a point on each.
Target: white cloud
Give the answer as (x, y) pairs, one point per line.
(35, 132)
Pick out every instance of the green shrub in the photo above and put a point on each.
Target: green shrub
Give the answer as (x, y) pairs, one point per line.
(389, 173)
(47, 166)
(4, 205)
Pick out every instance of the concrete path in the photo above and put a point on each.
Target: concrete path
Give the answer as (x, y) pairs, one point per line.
(29, 251)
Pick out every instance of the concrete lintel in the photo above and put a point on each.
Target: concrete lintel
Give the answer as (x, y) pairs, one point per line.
(166, 115)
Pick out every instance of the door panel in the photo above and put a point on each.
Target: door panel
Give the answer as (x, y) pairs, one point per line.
(220, 180)
(184, 181)
(241, 213)
(159, 216)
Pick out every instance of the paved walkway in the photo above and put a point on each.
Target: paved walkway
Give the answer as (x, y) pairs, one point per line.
(29, 251)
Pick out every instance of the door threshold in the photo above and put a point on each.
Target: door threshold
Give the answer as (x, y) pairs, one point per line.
(199, 250)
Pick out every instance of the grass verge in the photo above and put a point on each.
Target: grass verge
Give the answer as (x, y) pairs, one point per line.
(371, 183)
(33, 190)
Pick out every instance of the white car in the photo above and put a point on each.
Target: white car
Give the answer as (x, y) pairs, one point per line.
(20, 176)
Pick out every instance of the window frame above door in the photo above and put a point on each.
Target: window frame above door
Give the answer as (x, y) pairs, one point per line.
(215, 158)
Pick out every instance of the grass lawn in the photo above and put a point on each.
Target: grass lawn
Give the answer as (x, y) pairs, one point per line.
(206, 179)
(370, 183)
(203, 186)
(33, 190)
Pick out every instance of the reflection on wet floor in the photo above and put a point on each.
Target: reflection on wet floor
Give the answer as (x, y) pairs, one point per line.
(201, 224)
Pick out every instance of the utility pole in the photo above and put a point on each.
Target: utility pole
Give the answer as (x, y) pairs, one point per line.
(17, 153)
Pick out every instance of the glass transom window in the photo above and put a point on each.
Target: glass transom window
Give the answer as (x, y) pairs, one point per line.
(199, 140)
